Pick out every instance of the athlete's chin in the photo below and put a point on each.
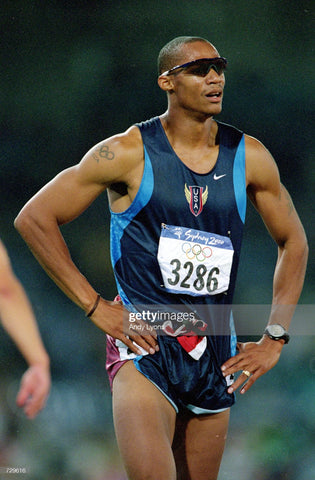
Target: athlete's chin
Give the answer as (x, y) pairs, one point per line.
(216, 109)
(210, 113)
(213, 109)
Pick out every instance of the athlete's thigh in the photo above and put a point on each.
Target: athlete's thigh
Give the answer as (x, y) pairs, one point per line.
(144, 424)
(199, 445)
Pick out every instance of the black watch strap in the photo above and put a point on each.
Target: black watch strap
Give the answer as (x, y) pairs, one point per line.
(277, 332)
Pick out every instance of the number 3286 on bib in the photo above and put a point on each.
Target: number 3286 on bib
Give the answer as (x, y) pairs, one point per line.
(194, 262)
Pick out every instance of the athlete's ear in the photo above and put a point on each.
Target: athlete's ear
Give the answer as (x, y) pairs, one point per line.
(165, 82)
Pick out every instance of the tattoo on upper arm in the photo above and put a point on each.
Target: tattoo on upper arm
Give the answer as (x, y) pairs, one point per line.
(103, 152)
(288, 199)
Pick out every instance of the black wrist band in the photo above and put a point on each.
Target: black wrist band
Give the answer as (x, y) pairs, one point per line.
(94, 306)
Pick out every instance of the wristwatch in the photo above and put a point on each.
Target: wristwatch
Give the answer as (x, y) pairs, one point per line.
(277, 332)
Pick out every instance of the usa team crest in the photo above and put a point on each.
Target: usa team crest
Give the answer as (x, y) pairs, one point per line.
(196, 197)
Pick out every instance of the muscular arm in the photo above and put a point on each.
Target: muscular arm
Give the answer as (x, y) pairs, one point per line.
(59, 202)
(276, 208)
(118, 160)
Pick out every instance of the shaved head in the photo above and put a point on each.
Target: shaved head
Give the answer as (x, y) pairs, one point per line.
(170, 54)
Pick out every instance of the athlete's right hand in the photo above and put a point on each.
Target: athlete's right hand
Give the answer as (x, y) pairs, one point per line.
(113, 319)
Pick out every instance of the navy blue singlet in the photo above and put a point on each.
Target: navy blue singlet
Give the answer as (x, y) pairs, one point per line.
(171, 193)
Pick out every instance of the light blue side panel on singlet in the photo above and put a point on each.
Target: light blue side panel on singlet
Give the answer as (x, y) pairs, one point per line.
(239, 179)
(233, 341)
(119, 221)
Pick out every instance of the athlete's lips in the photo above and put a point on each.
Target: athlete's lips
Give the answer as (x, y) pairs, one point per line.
(215, 95)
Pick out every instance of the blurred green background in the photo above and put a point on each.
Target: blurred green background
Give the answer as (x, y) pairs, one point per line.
(75, 72)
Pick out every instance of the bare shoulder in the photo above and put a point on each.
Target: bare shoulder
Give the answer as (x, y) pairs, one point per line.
(265, 189)
(118, 159)
(127, 144)
(114, 159)
(261, 169)
(269, 196)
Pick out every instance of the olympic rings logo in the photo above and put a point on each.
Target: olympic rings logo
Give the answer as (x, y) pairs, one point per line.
(196, 251)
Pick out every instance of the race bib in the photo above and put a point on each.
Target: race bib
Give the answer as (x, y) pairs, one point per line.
(194, 262)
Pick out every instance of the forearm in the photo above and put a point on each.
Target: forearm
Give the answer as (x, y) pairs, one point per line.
(18, 320)
(256, 358)
(48, 246)
(288, 281)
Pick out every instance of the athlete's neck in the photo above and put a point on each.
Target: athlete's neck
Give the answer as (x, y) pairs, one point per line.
(189, 131)
(193, 142)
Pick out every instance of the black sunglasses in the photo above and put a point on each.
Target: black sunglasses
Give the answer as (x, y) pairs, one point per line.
(201, 67)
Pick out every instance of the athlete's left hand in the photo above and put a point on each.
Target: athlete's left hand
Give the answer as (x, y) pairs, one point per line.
(254, 359)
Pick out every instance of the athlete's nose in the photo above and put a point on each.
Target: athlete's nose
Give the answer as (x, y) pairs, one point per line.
(214, 77)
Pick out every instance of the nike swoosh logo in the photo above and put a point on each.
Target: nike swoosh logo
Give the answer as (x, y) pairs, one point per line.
(217, 177)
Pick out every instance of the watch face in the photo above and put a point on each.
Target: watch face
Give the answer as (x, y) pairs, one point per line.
(276, 330)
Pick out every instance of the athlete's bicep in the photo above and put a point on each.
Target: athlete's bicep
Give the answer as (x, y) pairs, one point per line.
(74, 189)
(278, 214)
(62, 199)
(114, 160)
(268, 195)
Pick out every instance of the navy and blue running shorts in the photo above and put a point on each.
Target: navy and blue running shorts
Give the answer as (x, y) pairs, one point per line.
(196, 385)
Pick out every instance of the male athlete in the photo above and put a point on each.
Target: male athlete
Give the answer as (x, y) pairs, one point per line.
(177, 187)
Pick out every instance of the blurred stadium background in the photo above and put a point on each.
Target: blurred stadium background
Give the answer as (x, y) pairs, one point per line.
(75, 72)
